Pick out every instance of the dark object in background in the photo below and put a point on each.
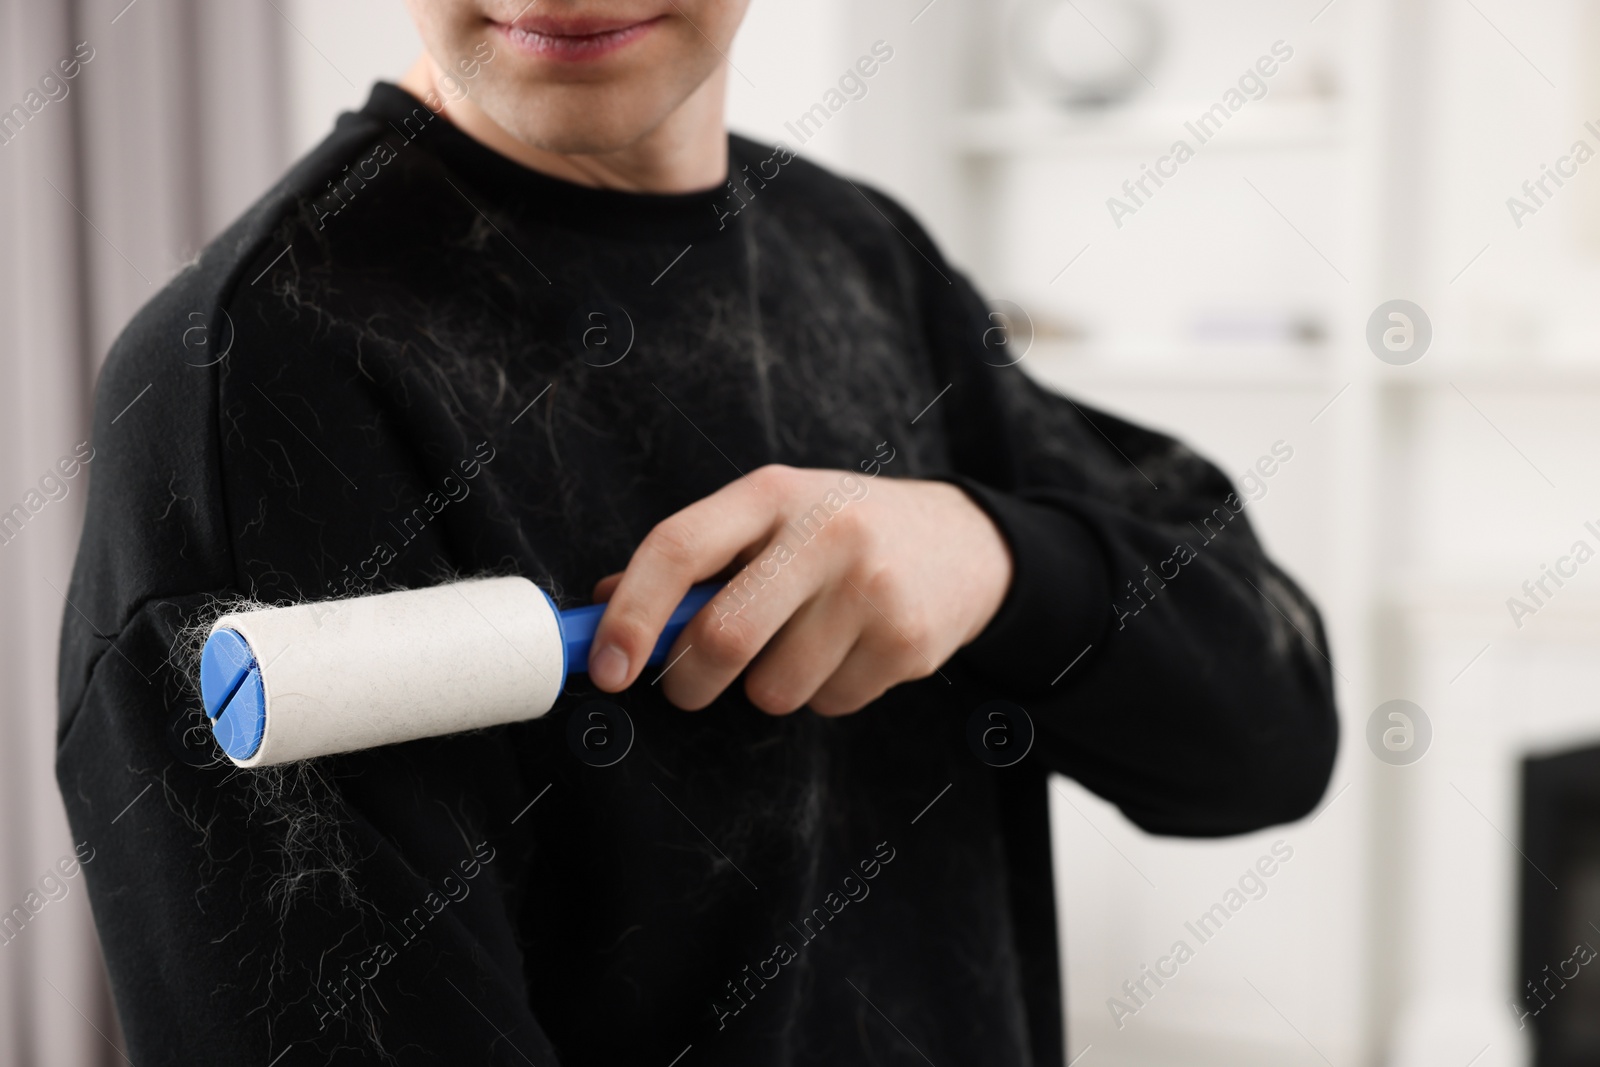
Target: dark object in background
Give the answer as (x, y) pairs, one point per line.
(1558, 978)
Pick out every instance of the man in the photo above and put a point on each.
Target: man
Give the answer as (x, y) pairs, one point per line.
(533, 311)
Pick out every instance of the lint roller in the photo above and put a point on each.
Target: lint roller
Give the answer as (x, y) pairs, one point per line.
(283, 684)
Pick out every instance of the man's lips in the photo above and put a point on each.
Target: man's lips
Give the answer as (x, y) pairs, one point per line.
(574, 39)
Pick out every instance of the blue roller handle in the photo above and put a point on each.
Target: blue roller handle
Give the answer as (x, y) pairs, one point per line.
(230, 680)
(578, 625)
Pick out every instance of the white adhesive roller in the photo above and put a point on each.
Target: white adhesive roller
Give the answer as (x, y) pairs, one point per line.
(291, 683)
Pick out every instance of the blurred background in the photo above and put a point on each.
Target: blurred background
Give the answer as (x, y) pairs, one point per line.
(1443, 904)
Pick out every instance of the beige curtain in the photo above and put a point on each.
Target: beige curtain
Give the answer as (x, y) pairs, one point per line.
(130, 133)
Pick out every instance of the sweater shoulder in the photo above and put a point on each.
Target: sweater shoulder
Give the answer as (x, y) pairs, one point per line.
(188, 312)
(155, 524)
(795, 180)
(813, 204)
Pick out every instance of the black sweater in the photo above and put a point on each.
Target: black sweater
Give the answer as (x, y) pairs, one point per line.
(416, 360)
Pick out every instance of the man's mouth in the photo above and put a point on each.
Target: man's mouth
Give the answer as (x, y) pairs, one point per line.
(574, 39)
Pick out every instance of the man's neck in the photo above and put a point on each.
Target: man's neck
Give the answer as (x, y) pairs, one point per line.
(686, 153)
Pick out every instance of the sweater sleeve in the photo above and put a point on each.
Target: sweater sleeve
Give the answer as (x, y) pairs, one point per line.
(1166, 662)
(327, 908)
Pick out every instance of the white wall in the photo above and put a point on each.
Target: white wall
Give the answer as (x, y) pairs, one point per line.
(334, 52)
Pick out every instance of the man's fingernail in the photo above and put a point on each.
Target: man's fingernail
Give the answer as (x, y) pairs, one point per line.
(608, 667)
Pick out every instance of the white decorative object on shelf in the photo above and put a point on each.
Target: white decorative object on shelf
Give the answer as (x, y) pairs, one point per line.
(1085, 53)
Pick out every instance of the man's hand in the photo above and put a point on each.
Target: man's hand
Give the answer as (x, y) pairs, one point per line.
(849, 585)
